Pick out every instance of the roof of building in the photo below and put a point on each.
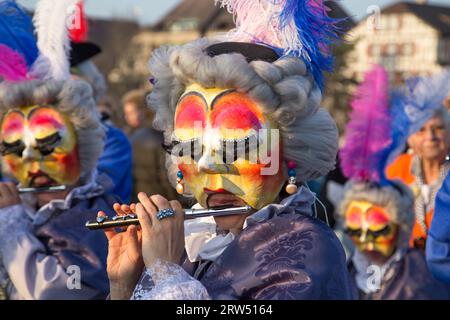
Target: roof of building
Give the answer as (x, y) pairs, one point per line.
(436, 16)
(211, 17)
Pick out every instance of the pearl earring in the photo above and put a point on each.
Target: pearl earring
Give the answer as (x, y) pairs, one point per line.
(180, 186)
(291, 188)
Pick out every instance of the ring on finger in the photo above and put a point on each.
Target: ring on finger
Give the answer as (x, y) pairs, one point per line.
(165, 213)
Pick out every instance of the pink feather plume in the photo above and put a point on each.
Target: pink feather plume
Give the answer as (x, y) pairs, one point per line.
(369, 129)
(13, 66)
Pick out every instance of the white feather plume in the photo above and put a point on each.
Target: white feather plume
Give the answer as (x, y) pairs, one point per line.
(52, 20)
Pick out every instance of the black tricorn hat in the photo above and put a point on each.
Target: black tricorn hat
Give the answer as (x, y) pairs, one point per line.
(82, 51)
(250, 51)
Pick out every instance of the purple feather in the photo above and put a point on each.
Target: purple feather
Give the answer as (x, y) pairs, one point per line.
(13, 66)
(369, 129)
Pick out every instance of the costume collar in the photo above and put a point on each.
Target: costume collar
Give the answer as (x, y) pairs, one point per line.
(203, 242)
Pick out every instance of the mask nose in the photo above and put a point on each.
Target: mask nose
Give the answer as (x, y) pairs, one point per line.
(30, 154)
(363, 237)
(211, 162)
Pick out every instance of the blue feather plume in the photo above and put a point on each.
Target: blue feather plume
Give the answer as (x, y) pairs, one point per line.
(17, 31)
(316, 31)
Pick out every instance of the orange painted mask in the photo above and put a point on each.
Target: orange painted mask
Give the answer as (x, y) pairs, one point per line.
(371, 228)
(228, 145)
(39, 146)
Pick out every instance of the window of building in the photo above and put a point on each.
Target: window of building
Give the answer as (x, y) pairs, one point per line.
(185, 24)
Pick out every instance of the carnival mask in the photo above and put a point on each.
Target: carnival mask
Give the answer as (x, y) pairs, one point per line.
(370, 228)
(39, 147)
(227, 145)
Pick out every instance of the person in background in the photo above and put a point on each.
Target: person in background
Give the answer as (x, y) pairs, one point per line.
(51, 137)
(424, 169)
(377, 213)
(116, 159)
(149, 171)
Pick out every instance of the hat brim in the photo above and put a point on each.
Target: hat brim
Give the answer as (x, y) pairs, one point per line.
(83, 51)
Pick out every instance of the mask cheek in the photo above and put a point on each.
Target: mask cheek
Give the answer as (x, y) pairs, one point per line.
(63, 168)
(17, 168)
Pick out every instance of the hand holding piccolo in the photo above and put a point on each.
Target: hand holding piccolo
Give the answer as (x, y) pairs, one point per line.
(132, 219)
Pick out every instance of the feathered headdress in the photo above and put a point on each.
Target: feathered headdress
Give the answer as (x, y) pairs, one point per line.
(18, 50)
(21, 57)
(368, 132)
(291, 27)
(382, 121)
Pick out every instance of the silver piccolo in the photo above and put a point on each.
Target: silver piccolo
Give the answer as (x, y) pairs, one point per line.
(42, 189)
(131, 219)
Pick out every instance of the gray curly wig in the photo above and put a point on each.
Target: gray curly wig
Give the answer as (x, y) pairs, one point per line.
(71, 97)
(284, 89)
(398, 204)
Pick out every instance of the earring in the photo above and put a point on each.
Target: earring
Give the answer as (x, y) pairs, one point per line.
(291, 188)
(180, 186)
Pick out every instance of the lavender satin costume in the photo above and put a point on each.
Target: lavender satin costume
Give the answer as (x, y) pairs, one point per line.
(404, 277)
(39, 250)
(283, 253)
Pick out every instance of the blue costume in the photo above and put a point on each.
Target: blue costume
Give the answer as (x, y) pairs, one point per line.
(116, 162)
(438, 243)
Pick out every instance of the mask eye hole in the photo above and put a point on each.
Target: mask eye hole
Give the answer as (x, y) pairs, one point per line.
(383, 232)
(192, 148)
(353, 232)
(241, 148)
(47, 145)
(15, 148)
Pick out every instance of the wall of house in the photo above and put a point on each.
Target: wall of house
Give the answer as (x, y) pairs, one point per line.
(403, 43)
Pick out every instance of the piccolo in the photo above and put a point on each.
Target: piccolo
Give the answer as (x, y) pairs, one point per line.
(132, 219)
(42, 189)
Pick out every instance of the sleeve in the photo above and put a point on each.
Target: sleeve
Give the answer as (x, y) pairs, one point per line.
(116, 162)
(33, 273)
(168, 281)
(438, 240)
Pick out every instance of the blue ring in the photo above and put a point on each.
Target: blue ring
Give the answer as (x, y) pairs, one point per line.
(165, 213)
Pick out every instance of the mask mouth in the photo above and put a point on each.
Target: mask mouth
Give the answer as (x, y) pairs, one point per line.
(40, 179)
(221, 199)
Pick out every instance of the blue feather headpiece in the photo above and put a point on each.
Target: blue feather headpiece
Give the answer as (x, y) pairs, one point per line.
(291, 27)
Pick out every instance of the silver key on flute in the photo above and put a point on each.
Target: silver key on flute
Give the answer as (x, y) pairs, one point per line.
(42, 189)
(131, 219)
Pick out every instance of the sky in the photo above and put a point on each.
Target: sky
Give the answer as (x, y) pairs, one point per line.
(148, 12)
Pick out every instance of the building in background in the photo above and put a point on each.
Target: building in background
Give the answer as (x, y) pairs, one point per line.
(406, 38)
(189, 20)
(192, 19)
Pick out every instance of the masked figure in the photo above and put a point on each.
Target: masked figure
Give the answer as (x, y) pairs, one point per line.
(377, 213)
(243, 125)
(51, 137)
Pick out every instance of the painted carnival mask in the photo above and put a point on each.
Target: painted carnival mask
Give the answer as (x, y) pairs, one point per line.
(370, 228)
(39, 146)
(228, 147)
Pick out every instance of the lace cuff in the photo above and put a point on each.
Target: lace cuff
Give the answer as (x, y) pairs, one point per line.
(168, 281)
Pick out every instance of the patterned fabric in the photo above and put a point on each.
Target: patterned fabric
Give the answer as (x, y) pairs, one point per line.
(283, 253)
(38, 248)
(407, 278)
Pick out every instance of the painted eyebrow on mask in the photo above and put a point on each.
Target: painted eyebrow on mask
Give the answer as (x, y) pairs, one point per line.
(194, 94)
(15, 112)
(221, 95)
